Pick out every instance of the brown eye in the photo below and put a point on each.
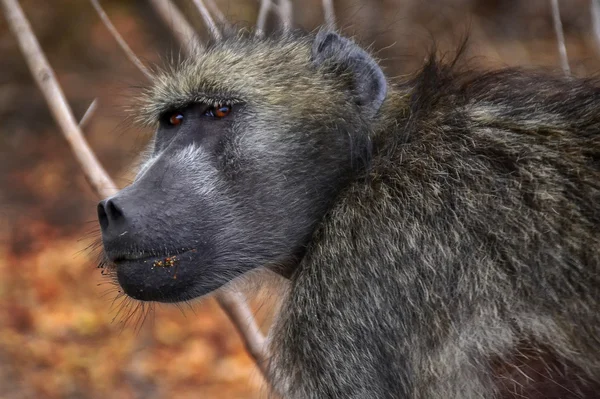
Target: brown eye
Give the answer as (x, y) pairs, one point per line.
(175, 118)
(220, 111)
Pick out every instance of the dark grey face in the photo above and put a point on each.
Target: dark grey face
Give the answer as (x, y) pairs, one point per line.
(229, 188)
(216, 199)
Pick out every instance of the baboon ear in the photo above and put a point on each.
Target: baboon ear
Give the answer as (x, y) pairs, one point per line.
(369, 83)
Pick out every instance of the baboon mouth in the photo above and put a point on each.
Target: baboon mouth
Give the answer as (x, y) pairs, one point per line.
(153, 277)
(154, 259)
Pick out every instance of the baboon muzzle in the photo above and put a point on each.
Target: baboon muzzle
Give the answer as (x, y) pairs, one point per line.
(151, 265)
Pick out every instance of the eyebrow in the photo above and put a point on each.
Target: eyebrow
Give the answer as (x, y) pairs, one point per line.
(154, 106)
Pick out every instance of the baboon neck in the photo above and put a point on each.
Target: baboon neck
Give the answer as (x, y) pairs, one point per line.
(392, 116)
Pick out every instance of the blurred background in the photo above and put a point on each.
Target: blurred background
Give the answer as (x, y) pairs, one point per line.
(61, 333)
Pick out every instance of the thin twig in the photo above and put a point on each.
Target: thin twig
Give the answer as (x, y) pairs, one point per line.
(182, 30)
(214, 9)
(87, 116)
(285, 13)
(560, 38)
(263, 12)
(63, 115)
(124, 46)
(246, 325)
(595, 13)
(208, 21)
(329, 14)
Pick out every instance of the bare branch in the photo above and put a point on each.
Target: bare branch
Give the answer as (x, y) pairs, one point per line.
(63, 115)
(214, 9)
(265, 6)
(88, 114)
(182, 30)
(560, 38)
(595, 12)
(329, 14)
(208, 21)
(285, 13)
(234, 304)
(124, 46)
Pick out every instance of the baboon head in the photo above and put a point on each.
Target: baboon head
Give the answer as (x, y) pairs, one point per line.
(254, 139)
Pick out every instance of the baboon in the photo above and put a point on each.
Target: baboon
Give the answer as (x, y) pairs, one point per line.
(441, 235)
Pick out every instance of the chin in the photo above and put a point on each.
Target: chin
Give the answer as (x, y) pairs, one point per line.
(170, 278)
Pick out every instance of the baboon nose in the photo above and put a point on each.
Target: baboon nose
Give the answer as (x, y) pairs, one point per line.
(110, 215)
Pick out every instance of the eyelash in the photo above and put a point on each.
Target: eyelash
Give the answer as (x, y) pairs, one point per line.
(218, 112)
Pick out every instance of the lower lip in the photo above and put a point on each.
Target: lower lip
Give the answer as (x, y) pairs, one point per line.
(161, 278)
(155, 259)
(165, 261)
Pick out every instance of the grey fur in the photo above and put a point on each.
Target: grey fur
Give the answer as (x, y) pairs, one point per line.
(453, 246)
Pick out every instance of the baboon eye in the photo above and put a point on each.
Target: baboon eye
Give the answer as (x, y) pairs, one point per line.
(175, 118)
(220, 111)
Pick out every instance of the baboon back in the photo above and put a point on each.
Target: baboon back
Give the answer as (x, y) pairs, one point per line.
(465, 262)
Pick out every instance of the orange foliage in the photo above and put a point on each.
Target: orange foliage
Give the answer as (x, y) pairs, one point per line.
(61, 338)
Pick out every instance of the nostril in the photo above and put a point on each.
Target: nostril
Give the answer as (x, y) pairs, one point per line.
(102, 216)
(109, 214)
(114, 212)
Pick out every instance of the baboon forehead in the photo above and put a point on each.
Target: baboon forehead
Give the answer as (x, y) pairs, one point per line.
(236, 70)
